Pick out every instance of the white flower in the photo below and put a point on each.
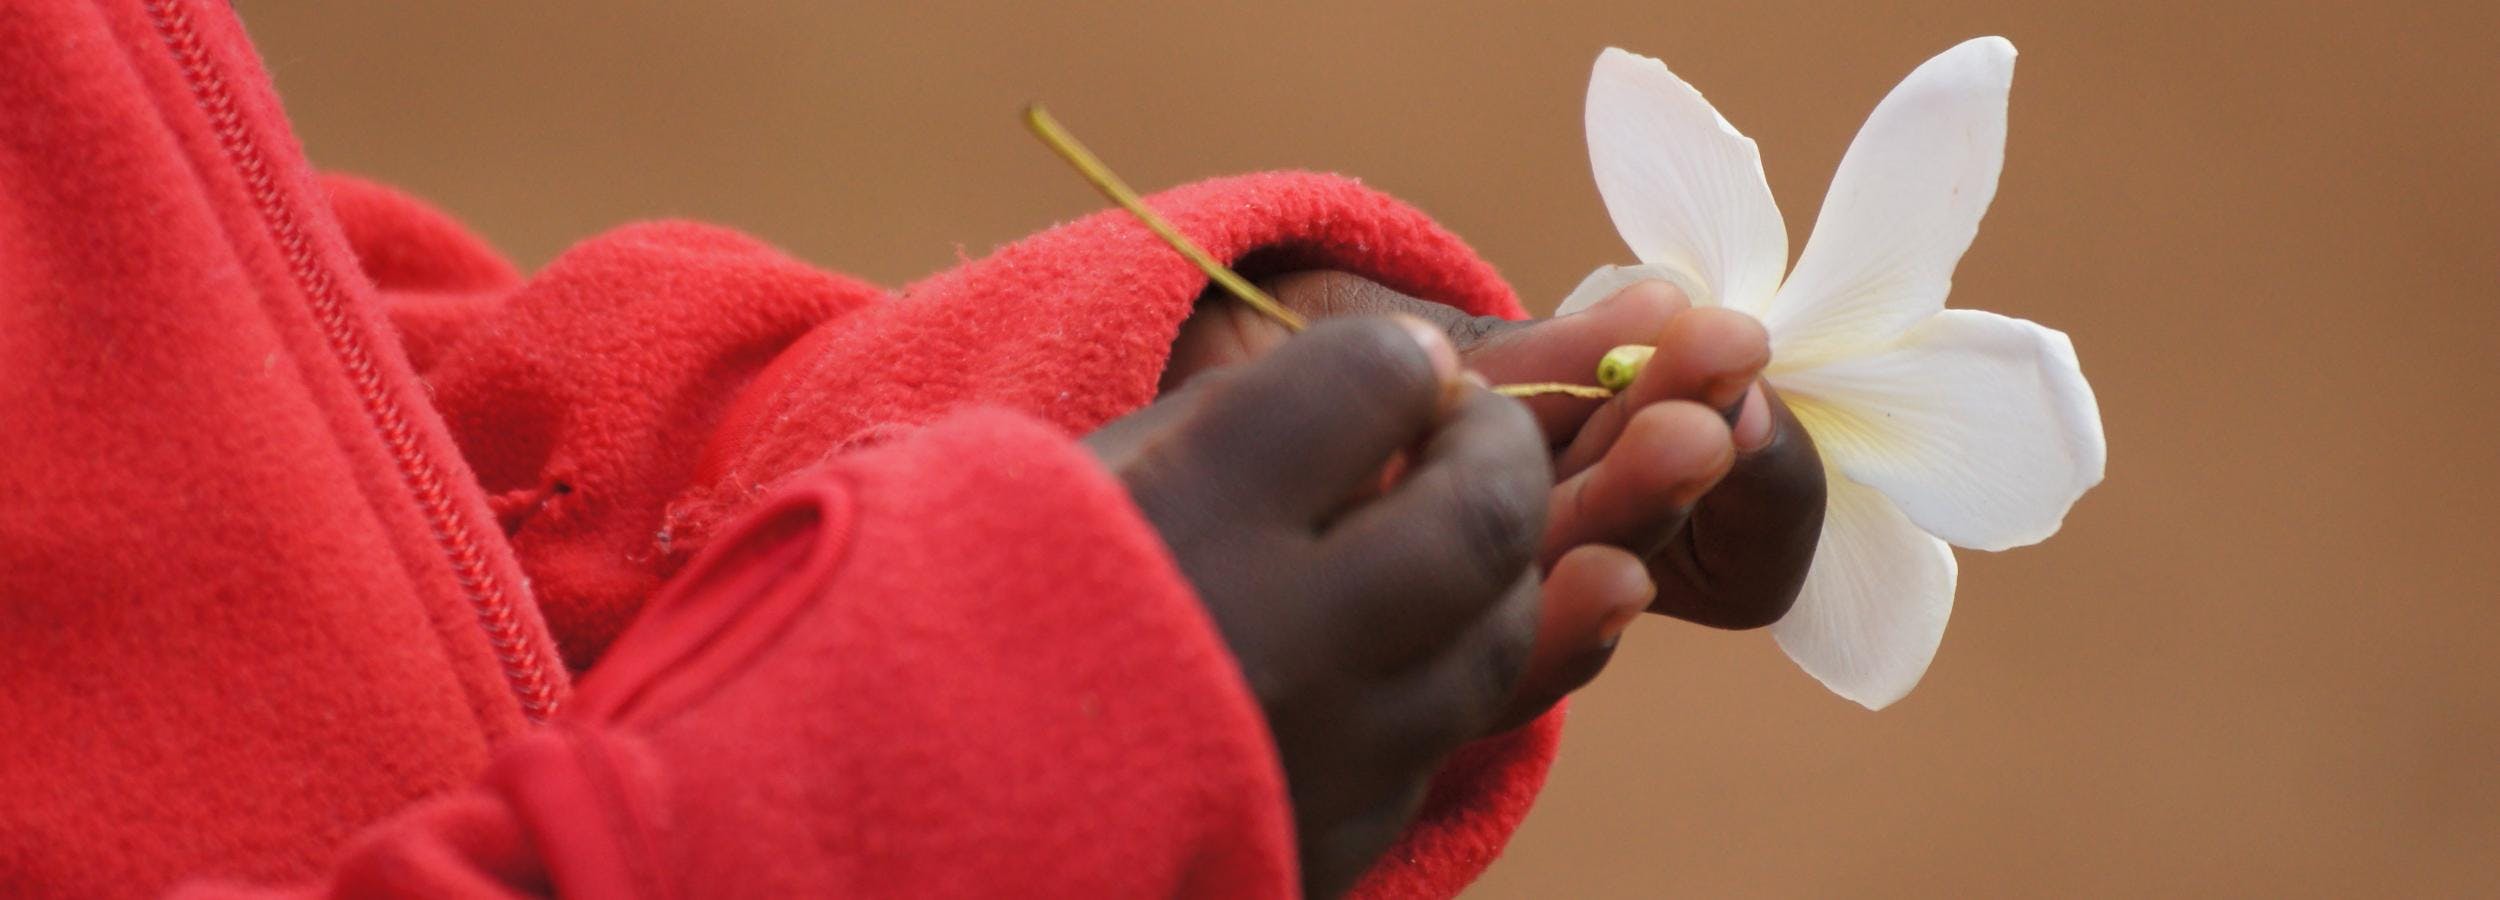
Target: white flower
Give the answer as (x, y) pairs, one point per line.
(1937, 426)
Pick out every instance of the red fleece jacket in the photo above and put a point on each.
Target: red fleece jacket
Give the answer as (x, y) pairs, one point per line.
(313, 503)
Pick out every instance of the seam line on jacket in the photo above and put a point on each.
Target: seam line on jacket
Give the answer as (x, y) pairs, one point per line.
(525, 668)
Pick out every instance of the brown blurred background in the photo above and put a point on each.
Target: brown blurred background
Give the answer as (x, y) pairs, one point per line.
(2258, 661)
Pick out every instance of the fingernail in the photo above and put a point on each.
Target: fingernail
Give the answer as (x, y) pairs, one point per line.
(1652, 290)
(1751, 426)
(1612, 629)
(1729, 393)
(1435, 344)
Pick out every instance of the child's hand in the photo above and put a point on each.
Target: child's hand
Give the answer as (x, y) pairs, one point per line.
(1725, 518)
(1380, 629)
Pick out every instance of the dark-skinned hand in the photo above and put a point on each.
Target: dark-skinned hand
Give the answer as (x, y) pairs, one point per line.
(1698, 470)
(1363, 523)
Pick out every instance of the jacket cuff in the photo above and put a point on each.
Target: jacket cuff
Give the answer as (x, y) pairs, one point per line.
(1072, 326)
(1475, 805)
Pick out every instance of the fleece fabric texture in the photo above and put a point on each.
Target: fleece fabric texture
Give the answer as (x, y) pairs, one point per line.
(262, 587)
(432, 274)
(959, 705)
(250, 600)
(584, 398)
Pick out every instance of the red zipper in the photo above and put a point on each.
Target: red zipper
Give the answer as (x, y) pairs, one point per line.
(525, 666)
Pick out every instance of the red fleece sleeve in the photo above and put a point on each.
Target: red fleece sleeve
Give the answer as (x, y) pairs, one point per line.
(886, 682)
(434, 277)
(1074, 326)
(656, 382)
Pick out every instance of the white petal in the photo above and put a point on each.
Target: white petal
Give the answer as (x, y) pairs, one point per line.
(1684, 187)
(1980, 427)
(1902, 208)
(1875, 600)
(1604, 282)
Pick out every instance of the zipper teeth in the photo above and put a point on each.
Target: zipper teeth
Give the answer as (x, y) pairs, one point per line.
(524, 666)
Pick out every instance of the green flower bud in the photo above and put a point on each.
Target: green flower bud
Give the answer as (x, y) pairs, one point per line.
(1622, 364)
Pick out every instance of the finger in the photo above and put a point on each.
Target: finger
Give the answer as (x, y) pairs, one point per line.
(1590, 597)
(1313, 422)
(1417, 566)
(1563, 349)
(1461, 692)
(1753, 536)
(1639, 496)
(1220, 331)
(1568, 349)
(1709, 356)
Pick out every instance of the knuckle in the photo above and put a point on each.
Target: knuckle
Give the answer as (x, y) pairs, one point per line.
(1213, 382)
(1468, 331)
(1507, 471)
(1376, 349)
(1309, 290)
(1505, 657)
(1509, 425)
(1369, 367)
(1474, 687)
(1326, 292)
(1498, 520)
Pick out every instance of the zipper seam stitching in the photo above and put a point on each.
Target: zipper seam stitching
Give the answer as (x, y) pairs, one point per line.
(524, 665)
